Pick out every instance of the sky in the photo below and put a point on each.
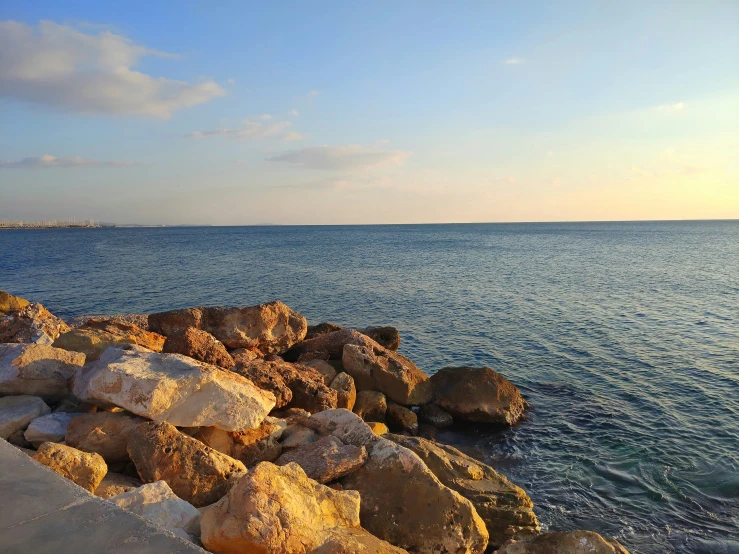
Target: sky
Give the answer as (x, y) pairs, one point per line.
(242, 113)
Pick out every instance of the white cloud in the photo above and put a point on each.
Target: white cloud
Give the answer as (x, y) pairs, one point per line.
(47, 161)
(60, 66)
(252, 130)
(678, 106)
(352, 156)
(265, 117)
(294, 113)
(513, 61)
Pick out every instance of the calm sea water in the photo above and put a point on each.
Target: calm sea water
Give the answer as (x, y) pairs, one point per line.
(624, 337)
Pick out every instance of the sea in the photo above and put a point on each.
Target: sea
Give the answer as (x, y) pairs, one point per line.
(623, 337)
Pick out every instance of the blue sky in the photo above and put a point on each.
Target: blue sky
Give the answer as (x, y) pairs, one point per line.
(375, 112)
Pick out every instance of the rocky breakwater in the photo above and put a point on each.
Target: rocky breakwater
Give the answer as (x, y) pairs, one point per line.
(245, 430)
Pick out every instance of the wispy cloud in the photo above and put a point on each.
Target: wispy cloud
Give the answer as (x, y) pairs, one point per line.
(65, 68)
(292, 136)
(677, 107)
(49, 161)
(353, 156)
(250, 129)
(514, 61)
(294, 113)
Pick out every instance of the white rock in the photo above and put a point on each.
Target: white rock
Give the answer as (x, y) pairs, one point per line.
(16, 412)
(38, 370)
(49, 428)
(173, 388)
(157, 503)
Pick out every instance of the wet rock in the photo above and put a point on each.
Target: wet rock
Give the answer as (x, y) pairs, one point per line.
(49, 428)
(32, 323)
(326, 459)
(506, 509)
(105, 433)
(321, 329)
(326, 370)
(11, 303)
(195, 472)
(173, 388)
(433, 415)
(38, 370)
(570, 542)
(370, 405)
(269, 328)
(478, 394)
(82, 468)
(401, 419)
(114, 484)
(16, 412)
(387, 337)
(378, 428)
(250, 446)
(199, 345)
(95, 337)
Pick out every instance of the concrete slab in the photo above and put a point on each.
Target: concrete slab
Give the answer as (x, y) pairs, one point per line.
(42, 512)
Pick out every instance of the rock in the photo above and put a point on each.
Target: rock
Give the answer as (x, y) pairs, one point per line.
(376, 368)
(270, 328)
(433, 415)
(114, 484)
(10, 303)
(321, 329)
(279, 510)
(32, 323)
(199, 345)
(388, 337)
(478, 394)
(95, 337)
(506, 509)
(370, 405)
(295, 436)
(250, 446)
(327, 459)
(27, 451)
(401, 419)
(291, 415)
(378, 428)
(157, 503)
(84, 469)
(17, 438)
(331, 343)
(569, 542)
(357, 542)
(195, 472)
(38, 370)
(49, 428)
(326, 370)
(346, 392)
(242, 355)
(72, 404)
(16, 412)
(264, 375)
(342, 424)
(139, 320)
(105, 433)
(427, 431)
(173, 388)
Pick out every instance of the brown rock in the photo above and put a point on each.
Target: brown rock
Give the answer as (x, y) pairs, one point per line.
(331, 343)
(195, 472)
(356, 542)
(478, 394)
(139, 320)
(321, 329)
(326, 459)
(17, 438)
(265, 376)
(105, 433)
(250, 446)
(378, 428)
(95, 337)
(32, 323)
(129, 330)
(326, 370)
(242, 355)
(569, 542)
(431, 414)
(291, 415)
(346, 392)
(10, 303)
(401, 419)
(199, 345)
(37, 370)
(387, 336)
(114, 484)
(82, 468)
(370, 405)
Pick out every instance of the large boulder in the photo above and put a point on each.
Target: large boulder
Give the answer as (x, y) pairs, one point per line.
(10, 303)
(330, 344)
(266, 377)
(32, 323)
(250, 446)
(376, 368)
(327, 459)
(370, 405)
(173, 388)
(38, 370)
(199, 345)
(279, 510)
(49, 428)
(106, 433)
(270, 328)
(506, 509)
(114, 484)
(195, 472)
(95, 337)
(478, 394)
(157, 503)
(346, 392)
(82, 468)
(16, 412)
(569, 542)
(386, 336)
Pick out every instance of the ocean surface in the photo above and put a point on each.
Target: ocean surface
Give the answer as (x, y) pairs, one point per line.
(624, 337)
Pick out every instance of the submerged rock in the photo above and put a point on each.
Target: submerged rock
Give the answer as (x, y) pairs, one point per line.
(32, 323)
(95, 337)
(16, 412)
(326, 459)
(199, 345)
(106, 433)
(570, 542)
(38, 370)
(84, 469)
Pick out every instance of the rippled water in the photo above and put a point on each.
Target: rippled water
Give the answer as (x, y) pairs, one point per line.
(624, 337)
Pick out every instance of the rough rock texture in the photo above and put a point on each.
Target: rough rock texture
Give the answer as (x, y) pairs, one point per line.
(157, 503)
(506, 509)
(326, 370)
(346, 392)
(37, 369)
(402, 501)
(321, 329)
(250, 446)
(114, 484)
(95, 337)
(477, 394)
(401, 419)
(370, 405)
(569, 542)
(270, 328)
(194, 471)
(72, 404)
(49, 428)
(242, 355)
(82, 468)
(199, 345)
(291, 415)
(306, 387)
(431, 414)
(326, 459)
(376, 368)
(295, 436)
(331, 343)
(16, 412)
(378, 428)
(352, 541)
(279, 510)
(32, 323)
(11, 303)
(106, 433)
(139, 320)
(387, 336)
(173, 388)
